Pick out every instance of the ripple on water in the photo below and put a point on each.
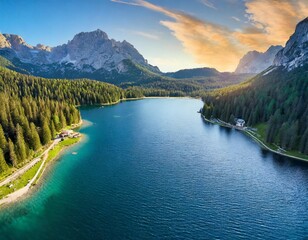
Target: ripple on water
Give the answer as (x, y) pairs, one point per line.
(153, 169)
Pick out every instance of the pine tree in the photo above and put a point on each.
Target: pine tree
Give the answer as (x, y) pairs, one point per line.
(293, 135)
(3, 164)
(306, 147)
(13, 156)
(35, 142)
(304, 143)
(3, 142)
(53, 130)
(62, 120)
(46, 134)
(21, 147)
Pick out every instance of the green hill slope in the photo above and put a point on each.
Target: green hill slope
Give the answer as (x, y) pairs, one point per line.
(276, 101)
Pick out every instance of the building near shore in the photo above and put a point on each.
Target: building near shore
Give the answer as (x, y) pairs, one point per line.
(240, 122)
(66, 133)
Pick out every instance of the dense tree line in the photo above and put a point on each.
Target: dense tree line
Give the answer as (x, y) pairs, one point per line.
(138, 92)
(279, 99)
(166, 86)
(136, 75)
(33, 110)
(76, 92)
(27, 123)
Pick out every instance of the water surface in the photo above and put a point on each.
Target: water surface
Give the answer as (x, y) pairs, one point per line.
(153, 169)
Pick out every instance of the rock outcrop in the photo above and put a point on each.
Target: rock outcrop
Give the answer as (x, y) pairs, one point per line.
(86, 52)
(256, 62)
(295, 53)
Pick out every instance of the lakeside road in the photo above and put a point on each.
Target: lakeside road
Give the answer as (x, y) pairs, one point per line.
(274, 151)
(25, 168)
(20, 192)
(223, 124)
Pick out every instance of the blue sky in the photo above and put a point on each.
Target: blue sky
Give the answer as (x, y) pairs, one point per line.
(172, 34)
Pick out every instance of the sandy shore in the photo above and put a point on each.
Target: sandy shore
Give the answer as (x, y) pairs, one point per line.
(20, 192)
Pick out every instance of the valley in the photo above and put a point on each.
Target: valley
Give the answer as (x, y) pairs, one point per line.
(141, 119)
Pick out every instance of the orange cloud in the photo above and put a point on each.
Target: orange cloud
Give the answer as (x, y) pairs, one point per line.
(273, 20)
(208, 43)
(271, 23)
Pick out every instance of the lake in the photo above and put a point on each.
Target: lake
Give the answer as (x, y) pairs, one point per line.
(153, 169)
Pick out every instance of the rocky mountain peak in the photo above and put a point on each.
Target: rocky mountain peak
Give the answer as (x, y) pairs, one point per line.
(43, 47)
(3, 42)
(97, 35)
(295, 53)
(16, 41)
(86, 52)
(256, 62)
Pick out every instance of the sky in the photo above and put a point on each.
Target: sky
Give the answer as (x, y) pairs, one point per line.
(171, 34)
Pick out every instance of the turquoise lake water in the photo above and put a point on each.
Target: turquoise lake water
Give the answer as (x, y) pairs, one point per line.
(153, 169)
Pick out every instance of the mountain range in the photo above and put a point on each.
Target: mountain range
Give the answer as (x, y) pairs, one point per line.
(294, 54)
(93, 55)
(87, 55)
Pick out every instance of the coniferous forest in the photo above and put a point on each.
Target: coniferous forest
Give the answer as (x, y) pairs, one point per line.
(34, 109)
(278, 99)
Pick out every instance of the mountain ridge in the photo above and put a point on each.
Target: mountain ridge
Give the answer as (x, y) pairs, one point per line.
(194, 72)
(256, 62)
(274, 102)
(295, 53)
(87, 54)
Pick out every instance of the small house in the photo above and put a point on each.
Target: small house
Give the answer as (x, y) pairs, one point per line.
(66, 133)
(240, 122)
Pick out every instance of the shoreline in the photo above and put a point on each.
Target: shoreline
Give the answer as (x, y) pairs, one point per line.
(25, 191)
(53, 160)
(135, 99)
(142, 98)
(262, 144)
(46, 163)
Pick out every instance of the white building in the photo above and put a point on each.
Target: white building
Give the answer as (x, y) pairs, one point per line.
(240, 122)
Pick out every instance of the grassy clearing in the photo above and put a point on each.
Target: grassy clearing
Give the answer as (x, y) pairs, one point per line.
(55, 151)
(20, 182)
(297, 154)
(261, 134)
(24, 179)
(261, 130)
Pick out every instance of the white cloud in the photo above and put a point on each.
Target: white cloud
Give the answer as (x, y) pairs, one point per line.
(208, 4)
(146, 35)
(236, 19)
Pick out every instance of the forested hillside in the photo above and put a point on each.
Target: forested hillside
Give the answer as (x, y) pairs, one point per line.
(138, 76)
(33, 109)
(77, 92)
(278, 99)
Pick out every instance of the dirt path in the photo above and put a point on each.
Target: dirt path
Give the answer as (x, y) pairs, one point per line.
(20, 192)
(25, 168)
